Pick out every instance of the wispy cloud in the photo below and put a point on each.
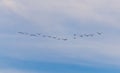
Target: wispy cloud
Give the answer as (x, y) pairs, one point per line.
(41, 11)
(61, 18)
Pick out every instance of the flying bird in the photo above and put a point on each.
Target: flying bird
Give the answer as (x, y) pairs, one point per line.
(81, 35)
(74, 34)
(26, 33)
(65, 39)
(91, 35)
(86, 35)
(38, 33)
(74, 38)
(99, 33)
(58, 38)
(54, 37)
(49, 36)
(33, 35)
(21, 32)
(44, 36)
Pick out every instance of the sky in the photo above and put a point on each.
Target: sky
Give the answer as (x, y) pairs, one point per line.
(61, 18)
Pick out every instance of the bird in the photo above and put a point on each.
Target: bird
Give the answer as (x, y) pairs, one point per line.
(86, 35)
(38, 33)
(74, 34)
(49, 36)
(54, 37)
(26, 33)
(33, 35)
(65, 39)
(44, 36)
(58, 38)
(74, 38)
(91, 35)
(21, 32)
(81, 35)
(99, 33)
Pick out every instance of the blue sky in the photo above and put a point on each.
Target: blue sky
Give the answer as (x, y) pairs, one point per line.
(61, 18)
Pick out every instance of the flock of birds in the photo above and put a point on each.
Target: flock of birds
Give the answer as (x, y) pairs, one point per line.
(75, 36)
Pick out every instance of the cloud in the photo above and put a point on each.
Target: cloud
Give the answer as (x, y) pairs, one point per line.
(63, 16)
(14, 6)
(50, 11)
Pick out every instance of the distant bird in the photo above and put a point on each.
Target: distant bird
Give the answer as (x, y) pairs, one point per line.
(65, 39)
(54, 37)
(74, 38)
(74, 34)
(26, 33)
(99, 33)
(58, 39)
(33, 35)
(38, 33)
(49, 36)
(91, 35)
(86, 35)
(21, 32)
(44, 36)
(81, 35)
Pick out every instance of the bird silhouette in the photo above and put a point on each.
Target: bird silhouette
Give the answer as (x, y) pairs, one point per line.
(58, 38)
(99, 33)
(86, 35)
(74, 36)
(21, 32)
(81, 35)
(33, 35)
(49, 36)
(26, 33)
(54, 37)
(91, 35)
(38, 33)
(44, 36)
(65, 39)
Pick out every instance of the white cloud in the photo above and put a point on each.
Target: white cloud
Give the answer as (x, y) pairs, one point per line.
(51, 15)
(102, 11)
